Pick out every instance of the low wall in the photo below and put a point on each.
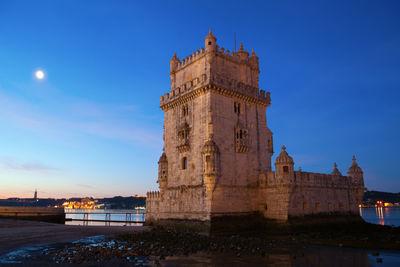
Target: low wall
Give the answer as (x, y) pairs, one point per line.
(34, 213)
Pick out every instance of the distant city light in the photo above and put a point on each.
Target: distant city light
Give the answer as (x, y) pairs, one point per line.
(39, 74)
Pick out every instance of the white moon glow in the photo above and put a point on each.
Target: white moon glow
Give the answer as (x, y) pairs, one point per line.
(39, 74)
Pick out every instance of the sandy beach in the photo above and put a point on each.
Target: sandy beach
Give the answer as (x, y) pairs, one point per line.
(15, 234)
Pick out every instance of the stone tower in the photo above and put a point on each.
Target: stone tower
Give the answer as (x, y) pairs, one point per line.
(216, 159)
(216, 140)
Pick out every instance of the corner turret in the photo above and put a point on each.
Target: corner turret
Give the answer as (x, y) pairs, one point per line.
(357, 178)
(210, 42)
(284, 165)
(355, 172)
(243, 54)
(174, 63)
(163, 172)
(254, 60)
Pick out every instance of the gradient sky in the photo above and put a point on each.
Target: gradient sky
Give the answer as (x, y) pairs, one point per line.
(93, 126)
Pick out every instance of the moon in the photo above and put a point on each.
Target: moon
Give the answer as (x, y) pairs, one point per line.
(39, 74)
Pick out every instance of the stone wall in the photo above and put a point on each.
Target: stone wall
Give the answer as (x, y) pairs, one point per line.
(306, 194)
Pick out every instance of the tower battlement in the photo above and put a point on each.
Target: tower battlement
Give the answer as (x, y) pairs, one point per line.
(239, 57)
(214, 68)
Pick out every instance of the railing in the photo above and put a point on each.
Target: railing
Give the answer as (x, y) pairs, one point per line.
(107, 215)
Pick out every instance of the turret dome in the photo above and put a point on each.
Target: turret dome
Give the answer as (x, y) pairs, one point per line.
(354, 168)
(335, 170)
(163, 158)
(210, 35)
(284, 157)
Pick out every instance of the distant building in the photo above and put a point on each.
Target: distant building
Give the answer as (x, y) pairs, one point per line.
(35, 195)
(217, 151)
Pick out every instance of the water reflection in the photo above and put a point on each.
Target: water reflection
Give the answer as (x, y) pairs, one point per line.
(381, 215)
(312, 256)
(379, 211)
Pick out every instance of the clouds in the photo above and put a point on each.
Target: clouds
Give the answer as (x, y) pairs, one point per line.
(66, 116)
(15, 165)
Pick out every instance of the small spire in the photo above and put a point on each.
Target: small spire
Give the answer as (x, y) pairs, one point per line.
(175, 58)
(210, 35)
(283, 148)
(241, 46)
(252, 52)
(354, 163)
(299, 169)
(335, 170)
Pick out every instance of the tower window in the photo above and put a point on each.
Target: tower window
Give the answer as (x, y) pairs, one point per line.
(209, 43)
(285, 169)
(185, 110)
(236, 107)
(184, 163)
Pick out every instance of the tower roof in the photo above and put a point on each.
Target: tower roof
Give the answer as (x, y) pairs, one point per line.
(354, 168)
(335, 170)
(210, 35)
(174, 58)
(163, 158)
(284, 157)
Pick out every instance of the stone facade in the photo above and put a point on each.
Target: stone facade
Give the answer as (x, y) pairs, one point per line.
(217, 151)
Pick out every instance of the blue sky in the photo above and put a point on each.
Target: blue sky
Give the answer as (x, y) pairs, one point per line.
(93, 126)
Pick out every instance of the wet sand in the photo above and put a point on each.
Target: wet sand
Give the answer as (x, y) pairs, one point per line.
(15, 234)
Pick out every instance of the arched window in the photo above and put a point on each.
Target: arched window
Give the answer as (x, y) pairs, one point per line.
(184, 163)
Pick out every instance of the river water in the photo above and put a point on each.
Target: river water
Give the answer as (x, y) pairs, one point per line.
(379, 215)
